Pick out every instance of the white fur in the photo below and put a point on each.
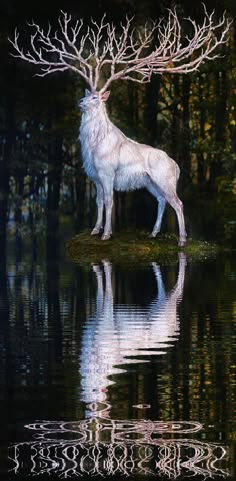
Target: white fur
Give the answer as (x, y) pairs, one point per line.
(113, 161)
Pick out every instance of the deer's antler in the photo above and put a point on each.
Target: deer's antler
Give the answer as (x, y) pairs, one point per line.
(123, 52)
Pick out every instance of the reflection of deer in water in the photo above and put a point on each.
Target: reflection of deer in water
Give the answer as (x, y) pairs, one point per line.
(103, 446)
(117, 334)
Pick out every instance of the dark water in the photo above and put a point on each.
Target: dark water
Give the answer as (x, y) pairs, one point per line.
(112, 372)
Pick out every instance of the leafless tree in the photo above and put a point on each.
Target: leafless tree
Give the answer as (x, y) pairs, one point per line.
(101, 53)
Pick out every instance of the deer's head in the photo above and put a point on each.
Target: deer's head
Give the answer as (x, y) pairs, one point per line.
(92, 100)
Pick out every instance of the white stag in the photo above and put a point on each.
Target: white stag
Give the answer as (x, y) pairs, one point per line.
(103, 51)
(113, 161)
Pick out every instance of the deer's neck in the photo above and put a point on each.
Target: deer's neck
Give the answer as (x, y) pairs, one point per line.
(94, 128)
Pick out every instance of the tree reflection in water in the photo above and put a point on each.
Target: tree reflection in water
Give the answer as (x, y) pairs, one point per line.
(99, 445)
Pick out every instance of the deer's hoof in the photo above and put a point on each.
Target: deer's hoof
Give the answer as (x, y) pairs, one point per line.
(152, 235)
(96, 269)
(106, 263)
(182, 242)
(95, 231)
(106, 236)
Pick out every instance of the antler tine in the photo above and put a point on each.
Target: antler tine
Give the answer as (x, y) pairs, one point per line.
(58, 47)
(126, 51)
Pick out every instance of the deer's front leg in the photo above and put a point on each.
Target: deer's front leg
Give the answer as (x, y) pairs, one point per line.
(100, 204)
(100, 295)
(107, 184)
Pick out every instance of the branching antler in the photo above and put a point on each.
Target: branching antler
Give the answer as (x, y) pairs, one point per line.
(123, 52)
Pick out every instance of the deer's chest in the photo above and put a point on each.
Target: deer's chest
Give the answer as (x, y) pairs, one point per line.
(90, 167)
(91, 138)
(89, 160)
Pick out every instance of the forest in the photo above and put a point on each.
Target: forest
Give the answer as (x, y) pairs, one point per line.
(190, 116)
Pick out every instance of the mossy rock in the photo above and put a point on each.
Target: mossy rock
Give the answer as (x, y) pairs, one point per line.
(129, 247)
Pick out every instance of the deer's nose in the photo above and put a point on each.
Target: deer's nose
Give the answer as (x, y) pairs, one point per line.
(81, 103)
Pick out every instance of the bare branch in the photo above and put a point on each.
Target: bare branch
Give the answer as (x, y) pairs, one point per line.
(104, 51)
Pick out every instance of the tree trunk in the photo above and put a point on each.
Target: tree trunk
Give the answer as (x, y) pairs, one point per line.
(79, 191)
(221, 96)
(151, 111)
(5, 170)
(53, 197)
(176, 120)
(200, 167)
(185, 161)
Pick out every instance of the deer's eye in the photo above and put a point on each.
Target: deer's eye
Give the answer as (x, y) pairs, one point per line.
(94, 97)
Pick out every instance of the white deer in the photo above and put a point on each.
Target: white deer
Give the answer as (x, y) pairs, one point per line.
(113, 161)
(110, 159)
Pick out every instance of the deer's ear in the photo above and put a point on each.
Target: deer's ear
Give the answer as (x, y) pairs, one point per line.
(87, 92)
(105, 96)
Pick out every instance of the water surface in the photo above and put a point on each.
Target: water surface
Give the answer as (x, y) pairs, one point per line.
(113, 371)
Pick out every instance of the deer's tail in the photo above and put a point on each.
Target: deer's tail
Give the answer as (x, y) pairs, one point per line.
(177, 172)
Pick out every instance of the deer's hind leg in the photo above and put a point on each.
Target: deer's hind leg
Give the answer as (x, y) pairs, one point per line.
(168, 193)
(160, 208)
(177, 205)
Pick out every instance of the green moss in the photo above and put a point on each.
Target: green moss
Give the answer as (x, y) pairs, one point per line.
(134, 246)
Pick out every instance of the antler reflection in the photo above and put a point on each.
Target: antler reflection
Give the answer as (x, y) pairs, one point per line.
(109, 447)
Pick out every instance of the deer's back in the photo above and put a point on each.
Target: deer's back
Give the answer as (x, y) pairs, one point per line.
(107, 150)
